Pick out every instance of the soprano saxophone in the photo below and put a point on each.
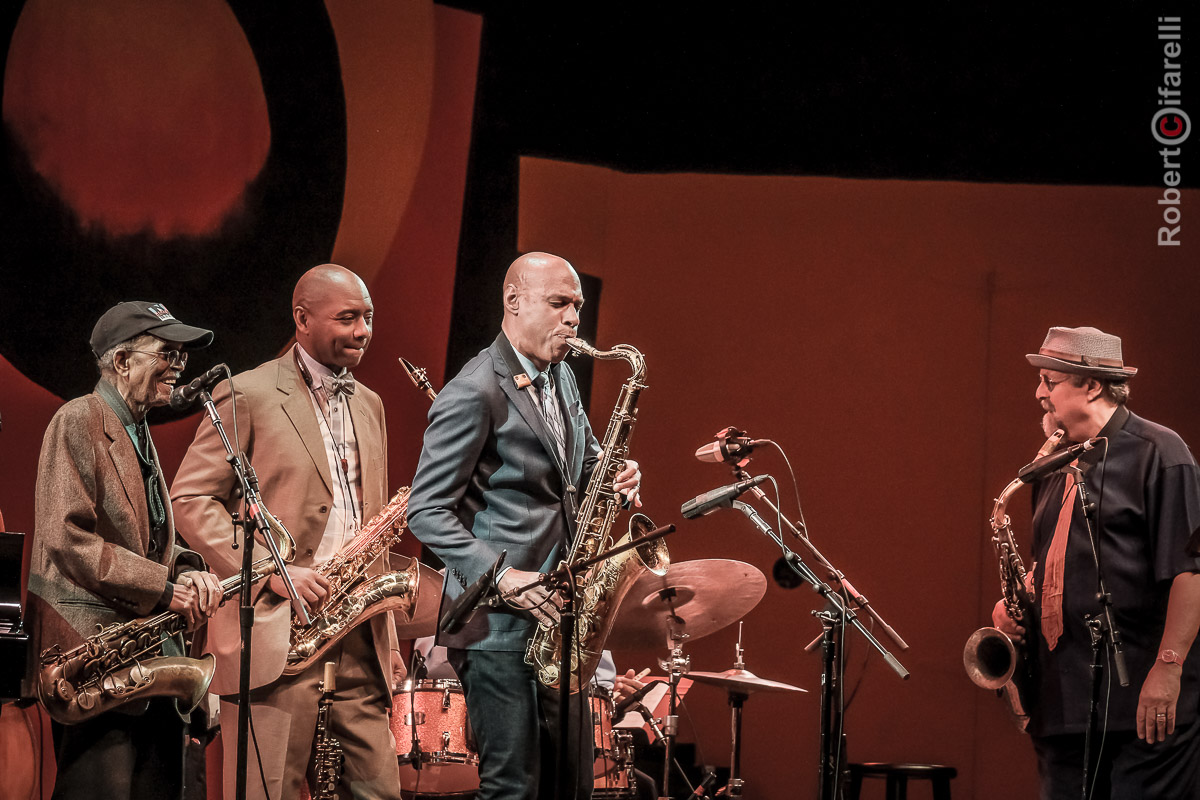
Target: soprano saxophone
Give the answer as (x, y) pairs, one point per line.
(992, 660)
(123, 662)
(604, 585)
(329, 760)
(353, 596)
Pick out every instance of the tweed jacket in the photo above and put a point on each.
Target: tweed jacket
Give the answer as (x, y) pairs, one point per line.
(278, 430)
(89, 564)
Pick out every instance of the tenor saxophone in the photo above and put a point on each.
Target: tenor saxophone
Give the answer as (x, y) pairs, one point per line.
(353, 596)
(602, 587)
(992, 660)
(123, 662)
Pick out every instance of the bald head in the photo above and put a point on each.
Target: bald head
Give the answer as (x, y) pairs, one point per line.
(542, 298)
(334, 315)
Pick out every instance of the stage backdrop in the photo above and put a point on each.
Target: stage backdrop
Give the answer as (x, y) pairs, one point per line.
(205, 154)
(877, 331)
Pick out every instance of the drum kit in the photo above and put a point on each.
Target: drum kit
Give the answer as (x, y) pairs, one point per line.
(434, 741)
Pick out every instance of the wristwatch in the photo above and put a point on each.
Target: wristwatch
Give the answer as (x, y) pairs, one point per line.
(1170, 657)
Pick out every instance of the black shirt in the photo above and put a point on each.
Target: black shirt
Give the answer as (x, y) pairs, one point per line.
(1147, 495)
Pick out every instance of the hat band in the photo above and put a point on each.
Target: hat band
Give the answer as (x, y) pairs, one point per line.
(1083, 361)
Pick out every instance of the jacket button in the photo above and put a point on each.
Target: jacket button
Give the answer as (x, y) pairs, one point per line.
(324, 509)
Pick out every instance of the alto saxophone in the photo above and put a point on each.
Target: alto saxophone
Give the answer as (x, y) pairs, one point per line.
(330, 759)
(992, 660)
(353, 597)
(600, 590)
(123, 662)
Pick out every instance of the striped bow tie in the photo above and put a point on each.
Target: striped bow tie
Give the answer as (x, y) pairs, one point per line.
(339, 385)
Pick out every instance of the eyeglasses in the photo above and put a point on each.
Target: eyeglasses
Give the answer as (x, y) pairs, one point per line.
(173, 357)
(1050, 384)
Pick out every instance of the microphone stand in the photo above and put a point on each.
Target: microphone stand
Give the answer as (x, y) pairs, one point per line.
(256, 519)
(836, 616)
(563, 579)
(1102, 628)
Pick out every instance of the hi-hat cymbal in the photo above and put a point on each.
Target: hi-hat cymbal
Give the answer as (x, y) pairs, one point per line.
(742, 681)
(425, 612)
(706, 595)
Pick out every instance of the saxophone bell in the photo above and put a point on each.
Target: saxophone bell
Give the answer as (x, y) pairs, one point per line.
(990, 658)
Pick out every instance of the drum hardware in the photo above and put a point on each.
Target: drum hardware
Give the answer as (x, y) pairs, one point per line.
(739, 682)
(434, 742)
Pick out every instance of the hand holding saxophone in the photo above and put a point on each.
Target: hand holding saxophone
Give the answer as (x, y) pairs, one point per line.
(543, 603)
(311, 586)
(196, 597)
(1010, 627)
(629, 483)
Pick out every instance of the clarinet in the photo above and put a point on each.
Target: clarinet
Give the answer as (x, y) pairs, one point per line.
(329, 760)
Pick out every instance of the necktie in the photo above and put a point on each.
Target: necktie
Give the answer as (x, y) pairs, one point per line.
(343, 384)
(1052, 584)
(551, 412)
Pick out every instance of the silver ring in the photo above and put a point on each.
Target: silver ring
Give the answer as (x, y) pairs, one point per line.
(1160, 715)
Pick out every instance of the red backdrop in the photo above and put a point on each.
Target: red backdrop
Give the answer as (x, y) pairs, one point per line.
(877, 331)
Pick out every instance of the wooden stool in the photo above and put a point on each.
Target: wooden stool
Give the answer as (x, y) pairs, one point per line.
(897, 776)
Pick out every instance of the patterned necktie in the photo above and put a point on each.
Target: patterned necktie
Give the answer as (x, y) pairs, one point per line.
(1052, 584)
(551, 412)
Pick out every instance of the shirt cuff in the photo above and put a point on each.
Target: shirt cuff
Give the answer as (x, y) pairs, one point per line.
(164, 601)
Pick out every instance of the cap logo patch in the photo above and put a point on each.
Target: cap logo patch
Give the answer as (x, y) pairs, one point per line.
(160, 311)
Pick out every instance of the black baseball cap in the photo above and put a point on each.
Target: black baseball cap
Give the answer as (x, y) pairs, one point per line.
(126, 320)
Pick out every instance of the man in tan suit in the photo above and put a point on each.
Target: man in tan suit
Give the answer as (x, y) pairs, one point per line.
(104, 548)
(318, 443)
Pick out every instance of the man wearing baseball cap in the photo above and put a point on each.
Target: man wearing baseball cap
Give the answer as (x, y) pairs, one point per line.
(1142, 489)
(104, 548)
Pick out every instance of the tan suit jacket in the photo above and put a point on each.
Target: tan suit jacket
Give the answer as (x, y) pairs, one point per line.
(278, 430)
(89, 563)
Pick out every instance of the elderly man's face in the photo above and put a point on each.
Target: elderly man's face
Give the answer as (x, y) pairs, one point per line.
(548, 314)
(146, 374)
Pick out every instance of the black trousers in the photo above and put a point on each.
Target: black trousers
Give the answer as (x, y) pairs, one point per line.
(515, 720)
(120, 756)
(1127, 769)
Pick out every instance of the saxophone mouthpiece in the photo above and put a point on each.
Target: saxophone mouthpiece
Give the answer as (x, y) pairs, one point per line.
(580, 347)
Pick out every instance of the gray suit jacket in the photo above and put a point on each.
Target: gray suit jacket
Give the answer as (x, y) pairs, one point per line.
(490, 480)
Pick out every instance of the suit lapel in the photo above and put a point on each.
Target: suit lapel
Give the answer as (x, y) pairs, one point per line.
(298, 408)
(367, 435)
(506, 366)
(120, 450)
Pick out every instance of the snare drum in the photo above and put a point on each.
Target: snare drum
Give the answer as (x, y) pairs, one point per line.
(434, 741)
(612, 770)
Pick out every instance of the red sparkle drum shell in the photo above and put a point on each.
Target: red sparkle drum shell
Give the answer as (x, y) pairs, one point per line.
(434, 741)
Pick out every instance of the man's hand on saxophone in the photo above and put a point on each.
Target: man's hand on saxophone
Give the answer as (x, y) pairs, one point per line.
(1005, 623)
(196, 596)
(311, 586)
(538, 600)
(629, 483)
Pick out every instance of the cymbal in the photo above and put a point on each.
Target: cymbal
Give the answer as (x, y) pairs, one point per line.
(742, 681)
(706, 594)
(425, 612)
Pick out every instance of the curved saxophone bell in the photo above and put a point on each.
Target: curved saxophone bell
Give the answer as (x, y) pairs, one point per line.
(990, 658)
(283, 538)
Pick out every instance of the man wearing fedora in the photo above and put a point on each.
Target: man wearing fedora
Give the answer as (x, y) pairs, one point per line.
(1142, 489)
(105, 551)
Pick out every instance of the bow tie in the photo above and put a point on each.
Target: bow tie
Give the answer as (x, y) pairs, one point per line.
(338, 385)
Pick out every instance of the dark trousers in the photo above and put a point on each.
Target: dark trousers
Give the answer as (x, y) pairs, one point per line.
(515, 720)
(122, 756)
(1128, 768)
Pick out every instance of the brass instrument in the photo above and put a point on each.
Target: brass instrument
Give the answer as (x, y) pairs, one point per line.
(353, 596)
(123, 662)
(330, 759)
(992, 660)
(603, 586)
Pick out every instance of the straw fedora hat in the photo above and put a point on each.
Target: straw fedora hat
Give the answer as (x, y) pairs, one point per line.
(1083, 351)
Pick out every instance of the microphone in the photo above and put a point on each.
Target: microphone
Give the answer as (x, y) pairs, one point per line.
(460, 611)
(730, 447)
(623, 706)
(183, 396)
(718, 498)
(1047, 464)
